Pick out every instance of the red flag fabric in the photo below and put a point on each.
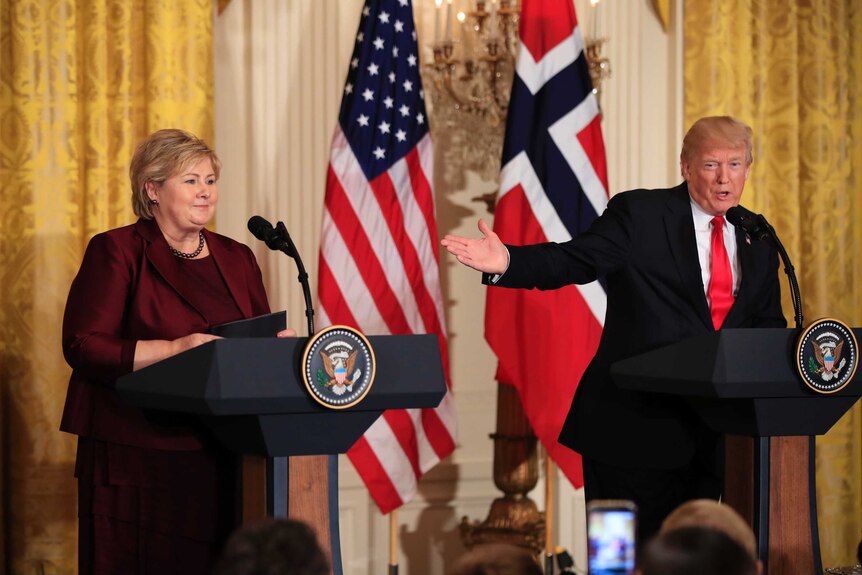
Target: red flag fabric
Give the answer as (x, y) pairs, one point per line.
(379, 269)
(553, 185)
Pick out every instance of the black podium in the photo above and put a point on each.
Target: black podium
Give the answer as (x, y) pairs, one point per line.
(249, 394)
(743, 382)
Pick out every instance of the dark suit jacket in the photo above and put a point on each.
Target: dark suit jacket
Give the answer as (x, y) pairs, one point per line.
(129, 288)
(644, 246)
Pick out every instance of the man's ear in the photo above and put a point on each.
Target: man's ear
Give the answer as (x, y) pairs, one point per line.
(685, 170)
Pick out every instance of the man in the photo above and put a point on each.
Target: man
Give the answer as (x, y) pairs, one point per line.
(695, 551)
(671, 273)
(714, 515)
(272, 546)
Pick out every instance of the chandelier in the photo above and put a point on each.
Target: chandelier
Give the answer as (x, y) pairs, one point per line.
(470, 78)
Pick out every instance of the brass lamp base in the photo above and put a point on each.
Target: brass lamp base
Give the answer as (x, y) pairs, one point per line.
(511, 520)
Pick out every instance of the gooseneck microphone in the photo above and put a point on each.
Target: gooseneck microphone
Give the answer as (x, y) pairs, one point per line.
(756, 226)
(277, 239)
(263, 230)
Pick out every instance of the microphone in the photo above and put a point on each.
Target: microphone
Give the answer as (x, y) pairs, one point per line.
(755, 225)
(275, 239)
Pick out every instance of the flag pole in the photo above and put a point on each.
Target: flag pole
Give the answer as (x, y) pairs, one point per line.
(393, 542)
(549, 514)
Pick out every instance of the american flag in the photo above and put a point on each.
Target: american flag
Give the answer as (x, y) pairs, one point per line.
(379, 269)
(553, 185)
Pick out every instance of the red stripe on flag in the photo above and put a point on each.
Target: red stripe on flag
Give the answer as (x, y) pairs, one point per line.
(374, 476)
(387, 199)
(439, 437)
(365, 257)
(331, 298)
(402, 427)
(424, 197)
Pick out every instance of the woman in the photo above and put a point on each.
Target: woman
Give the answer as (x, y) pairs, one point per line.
(155, 493)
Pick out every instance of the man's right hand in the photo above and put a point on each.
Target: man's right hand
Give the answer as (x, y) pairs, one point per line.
(486, 254)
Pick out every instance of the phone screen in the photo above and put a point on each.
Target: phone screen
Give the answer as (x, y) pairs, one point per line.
(611, 536)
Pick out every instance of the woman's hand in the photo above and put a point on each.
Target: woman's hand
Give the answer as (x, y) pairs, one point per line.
(148, 352)
(486, 254)
(187, 342)
(286, 333)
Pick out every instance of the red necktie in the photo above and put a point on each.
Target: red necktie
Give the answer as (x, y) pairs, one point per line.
(720, 289)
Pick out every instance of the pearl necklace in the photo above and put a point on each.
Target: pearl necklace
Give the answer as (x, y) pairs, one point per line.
(192, 255)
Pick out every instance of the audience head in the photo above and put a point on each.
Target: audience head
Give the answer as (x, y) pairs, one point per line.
(163, 154)
(497, 559)
(711, 513)
(695, 551)
(273, 547)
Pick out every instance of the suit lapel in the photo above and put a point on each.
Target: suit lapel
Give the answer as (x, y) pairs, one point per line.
(679, 226)
(160, 257)
(223, 253)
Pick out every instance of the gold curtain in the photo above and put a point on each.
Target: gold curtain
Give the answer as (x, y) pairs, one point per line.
(80, 83)
(791, 69)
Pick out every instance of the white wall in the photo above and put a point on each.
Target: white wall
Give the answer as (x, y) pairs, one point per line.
(280, 67)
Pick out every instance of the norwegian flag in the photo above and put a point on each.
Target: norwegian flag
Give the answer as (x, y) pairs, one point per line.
(553, 185)
(379, 269)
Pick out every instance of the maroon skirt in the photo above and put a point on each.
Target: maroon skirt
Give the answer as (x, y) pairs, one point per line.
(144, 511)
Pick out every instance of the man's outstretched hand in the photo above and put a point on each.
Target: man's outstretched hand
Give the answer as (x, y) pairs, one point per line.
(486, 254)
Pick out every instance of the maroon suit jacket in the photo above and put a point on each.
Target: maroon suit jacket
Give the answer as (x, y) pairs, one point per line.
(129, 288)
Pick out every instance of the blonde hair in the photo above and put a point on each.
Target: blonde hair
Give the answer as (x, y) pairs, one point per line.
(163, 154)
(717, 130)
(712, 514)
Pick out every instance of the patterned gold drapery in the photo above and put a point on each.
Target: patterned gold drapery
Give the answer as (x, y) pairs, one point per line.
(792, 71)
(80, 83)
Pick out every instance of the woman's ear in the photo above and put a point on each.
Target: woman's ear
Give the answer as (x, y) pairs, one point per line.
(151, 189)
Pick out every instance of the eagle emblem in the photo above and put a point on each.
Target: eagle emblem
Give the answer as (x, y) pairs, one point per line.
(827, 352)
(339, 366)
(826, 355)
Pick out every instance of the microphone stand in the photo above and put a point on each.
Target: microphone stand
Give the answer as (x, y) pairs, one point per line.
(285, 244)
(278, 467)
(767, 232)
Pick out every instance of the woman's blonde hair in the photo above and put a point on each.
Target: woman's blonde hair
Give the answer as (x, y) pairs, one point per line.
(163, 154)
(717, 130)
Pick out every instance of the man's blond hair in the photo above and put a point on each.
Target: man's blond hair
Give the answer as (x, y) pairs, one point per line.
(724, 131)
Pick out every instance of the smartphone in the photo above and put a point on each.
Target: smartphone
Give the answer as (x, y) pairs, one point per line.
(611, 536)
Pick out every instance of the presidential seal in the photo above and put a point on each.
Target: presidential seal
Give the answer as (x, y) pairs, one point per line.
(826, 355)
(338, 367)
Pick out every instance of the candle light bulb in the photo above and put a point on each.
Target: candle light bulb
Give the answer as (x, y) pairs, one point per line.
(493, 24)
(437, 20)
(466, 43)
(449, 20)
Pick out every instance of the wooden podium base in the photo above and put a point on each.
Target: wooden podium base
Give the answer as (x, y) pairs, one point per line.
(770, 481)
(307, 498)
